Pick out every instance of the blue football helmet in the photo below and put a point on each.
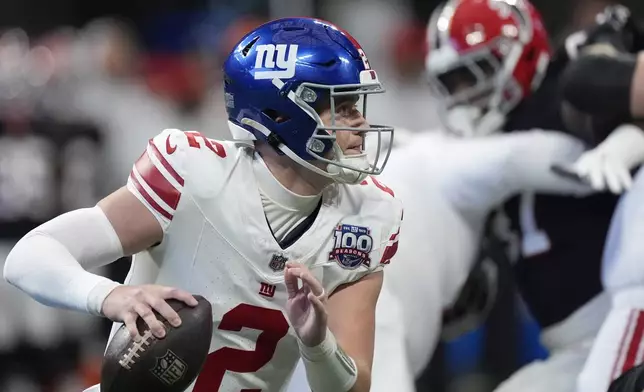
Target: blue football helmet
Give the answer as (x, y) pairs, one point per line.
(276, 77)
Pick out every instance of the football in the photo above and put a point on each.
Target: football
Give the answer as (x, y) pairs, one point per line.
(170, 364)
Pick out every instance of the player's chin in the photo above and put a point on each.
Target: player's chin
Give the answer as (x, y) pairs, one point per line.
(352, 151)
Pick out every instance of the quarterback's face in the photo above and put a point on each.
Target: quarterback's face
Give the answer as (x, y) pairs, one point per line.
(346, 115)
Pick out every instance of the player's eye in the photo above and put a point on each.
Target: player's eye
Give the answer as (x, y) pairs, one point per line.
(458, 79)
(347, 107)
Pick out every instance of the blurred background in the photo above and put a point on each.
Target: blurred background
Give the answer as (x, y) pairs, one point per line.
(84, 84)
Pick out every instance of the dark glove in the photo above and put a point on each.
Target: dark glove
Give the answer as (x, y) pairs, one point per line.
(615, 26)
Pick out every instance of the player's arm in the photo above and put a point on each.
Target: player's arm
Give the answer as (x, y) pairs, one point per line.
(52, 262)
(601, 91)
(352, 320)
(352, 309)
(602, 84)
(336, 339)
(478, 174)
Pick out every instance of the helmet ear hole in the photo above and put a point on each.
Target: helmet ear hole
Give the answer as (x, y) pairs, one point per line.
(275, 116)
(249, 46)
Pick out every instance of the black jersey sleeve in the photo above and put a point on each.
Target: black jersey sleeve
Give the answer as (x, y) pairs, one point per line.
(596, 83)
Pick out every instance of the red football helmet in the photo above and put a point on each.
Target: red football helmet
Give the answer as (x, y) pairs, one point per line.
(484, 57)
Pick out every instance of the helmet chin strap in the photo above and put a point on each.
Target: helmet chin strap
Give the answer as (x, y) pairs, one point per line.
(346, 175)
(469, 121)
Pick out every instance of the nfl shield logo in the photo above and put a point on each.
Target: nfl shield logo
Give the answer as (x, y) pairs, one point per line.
(278, 262)
(169, 368)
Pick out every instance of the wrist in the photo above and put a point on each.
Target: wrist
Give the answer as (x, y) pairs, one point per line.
(97, 295)
(319, 351)
(328, 367)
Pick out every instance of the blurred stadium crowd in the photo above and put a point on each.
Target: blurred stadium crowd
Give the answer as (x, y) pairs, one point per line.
(81, 92)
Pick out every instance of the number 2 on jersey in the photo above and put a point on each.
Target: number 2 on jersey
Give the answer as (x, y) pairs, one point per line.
(274, 327)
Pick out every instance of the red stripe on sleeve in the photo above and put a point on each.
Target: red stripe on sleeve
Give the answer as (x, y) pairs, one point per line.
(166, 164)
(622, 343)
(390, 250)
(149, 199)
(155, 180)
(634, 345)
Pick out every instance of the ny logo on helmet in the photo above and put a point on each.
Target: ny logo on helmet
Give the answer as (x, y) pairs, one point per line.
(271, 56)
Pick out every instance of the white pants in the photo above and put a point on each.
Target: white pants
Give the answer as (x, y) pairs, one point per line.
(619, 344)
(557, 373)
(618, 347)
(569, 343)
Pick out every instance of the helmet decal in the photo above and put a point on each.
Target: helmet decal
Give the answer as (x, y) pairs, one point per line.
(274, 63)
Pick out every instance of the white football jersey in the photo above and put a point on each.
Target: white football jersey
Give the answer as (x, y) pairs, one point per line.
(448, 187)
(217, 243)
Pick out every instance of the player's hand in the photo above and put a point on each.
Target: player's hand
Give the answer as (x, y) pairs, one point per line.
(306, 306)
(603, 172)
(608, 166)
(127, 303)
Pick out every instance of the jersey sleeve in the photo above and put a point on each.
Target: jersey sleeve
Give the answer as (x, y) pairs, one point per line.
(389, 243)
(478, 174)
(157, 177)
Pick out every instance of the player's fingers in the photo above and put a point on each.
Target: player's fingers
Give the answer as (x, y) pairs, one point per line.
(309, 280)
(165, 310)
(150, 319)
(613, 181)
(181, 295)
(596, 176)
(290, 280)
(130, 323)
(625, 177)
(318, 306)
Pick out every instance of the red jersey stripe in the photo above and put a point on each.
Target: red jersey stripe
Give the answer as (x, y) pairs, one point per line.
(166, 164)
(160, 185)
(634, 344)
(149, 198)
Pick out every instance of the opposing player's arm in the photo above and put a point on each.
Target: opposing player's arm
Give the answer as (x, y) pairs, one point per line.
(352, 320)
(481, 173)
(602, 84)
(601, 91)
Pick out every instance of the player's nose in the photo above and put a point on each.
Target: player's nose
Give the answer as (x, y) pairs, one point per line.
(358, 122)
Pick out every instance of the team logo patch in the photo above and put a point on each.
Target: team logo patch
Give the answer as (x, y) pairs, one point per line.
(352, 246)
(169, 368)
(278, 262)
